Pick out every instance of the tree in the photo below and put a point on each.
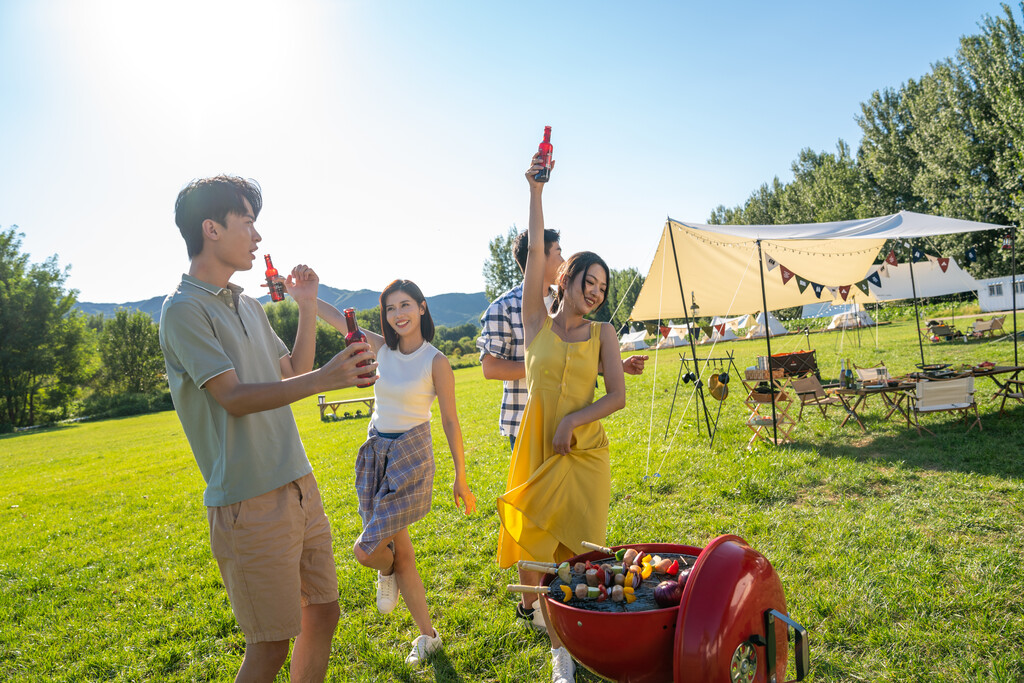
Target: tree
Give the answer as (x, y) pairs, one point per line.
(44, 345)
(501, 272)
(130, 349)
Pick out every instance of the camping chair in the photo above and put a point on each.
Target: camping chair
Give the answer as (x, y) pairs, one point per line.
(1012, 388)
(810, 392)
(877, 375)
(990, 327)
(954, 395)
(942, 331)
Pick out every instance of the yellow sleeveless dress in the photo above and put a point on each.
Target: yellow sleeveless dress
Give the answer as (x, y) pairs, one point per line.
(553, 502)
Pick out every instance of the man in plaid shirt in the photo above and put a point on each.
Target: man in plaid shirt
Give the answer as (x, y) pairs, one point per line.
(502, 351)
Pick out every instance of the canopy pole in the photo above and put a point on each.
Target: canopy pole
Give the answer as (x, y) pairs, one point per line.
(1013, 287)
(917, 317)
(693, 337)
(768, 342)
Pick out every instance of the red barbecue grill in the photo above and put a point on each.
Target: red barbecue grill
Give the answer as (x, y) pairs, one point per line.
(730, 625)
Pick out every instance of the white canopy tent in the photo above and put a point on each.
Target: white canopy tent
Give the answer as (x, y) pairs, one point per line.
(929, 280)
(705, 270)
(717, 266)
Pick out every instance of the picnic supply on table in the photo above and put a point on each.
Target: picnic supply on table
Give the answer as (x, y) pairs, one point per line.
(273, 284)
(545, 148)
(356, 335)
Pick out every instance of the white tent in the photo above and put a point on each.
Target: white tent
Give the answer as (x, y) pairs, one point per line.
(633, 341)
(719, 266)
(673, 339)
(855, 316)
(756, 329)
(724, 329)
(717, 336)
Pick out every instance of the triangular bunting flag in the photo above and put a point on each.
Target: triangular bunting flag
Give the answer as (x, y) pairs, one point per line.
(883, 270)
(664, 331)
(787, 274)
(818, 289)
(971, 255)
(802, 284)
(721, 328)
(844, 291)
(931, 259)
(943, 263)
(771, 263)
(891, 258)
(917, 254)
(834, 291)
(863, 286)
(875, 280)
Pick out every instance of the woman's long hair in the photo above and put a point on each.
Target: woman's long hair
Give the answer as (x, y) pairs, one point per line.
(426, 322)
(580, 262)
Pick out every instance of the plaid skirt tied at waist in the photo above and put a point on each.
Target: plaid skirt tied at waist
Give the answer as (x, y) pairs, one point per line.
(394, 483)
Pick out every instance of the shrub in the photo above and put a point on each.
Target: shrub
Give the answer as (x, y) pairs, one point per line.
(120, 405)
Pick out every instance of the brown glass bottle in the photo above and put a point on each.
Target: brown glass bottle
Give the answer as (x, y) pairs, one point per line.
(275, 286)
(356, 335)
(546, 149)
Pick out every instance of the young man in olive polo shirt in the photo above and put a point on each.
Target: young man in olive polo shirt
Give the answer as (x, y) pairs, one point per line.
(232, 380)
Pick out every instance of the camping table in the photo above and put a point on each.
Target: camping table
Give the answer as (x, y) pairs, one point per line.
(893, 396)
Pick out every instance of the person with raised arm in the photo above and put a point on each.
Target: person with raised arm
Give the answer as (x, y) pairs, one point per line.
(232, 381)
(559, 481)
(395, 466)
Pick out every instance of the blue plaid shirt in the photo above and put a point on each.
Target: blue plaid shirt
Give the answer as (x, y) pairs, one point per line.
(502, 337)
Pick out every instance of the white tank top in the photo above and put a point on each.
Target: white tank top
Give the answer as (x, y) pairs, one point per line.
(404, 391)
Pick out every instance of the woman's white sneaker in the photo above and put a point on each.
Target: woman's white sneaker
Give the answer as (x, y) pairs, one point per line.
(563, 669)
(422, 648)
(387, 592)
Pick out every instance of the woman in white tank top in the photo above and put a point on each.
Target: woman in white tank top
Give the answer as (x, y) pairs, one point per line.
(395, 467)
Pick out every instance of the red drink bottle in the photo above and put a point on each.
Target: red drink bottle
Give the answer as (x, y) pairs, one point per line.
(276, 288)
(545, 148)
(356, 335)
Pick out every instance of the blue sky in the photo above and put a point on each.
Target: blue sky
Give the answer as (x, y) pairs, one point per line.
(391, 137)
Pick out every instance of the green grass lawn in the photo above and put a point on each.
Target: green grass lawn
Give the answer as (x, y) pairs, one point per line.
(901, 555)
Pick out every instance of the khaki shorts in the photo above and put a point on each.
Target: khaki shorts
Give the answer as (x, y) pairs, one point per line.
(275, 556)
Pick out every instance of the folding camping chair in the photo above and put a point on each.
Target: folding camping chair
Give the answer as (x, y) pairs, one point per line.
(810, 392)
(878, 374)
(953, 395)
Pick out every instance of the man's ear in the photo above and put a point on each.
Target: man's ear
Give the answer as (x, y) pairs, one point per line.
(211, 229)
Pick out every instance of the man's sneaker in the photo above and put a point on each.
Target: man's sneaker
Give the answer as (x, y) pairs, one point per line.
(387, 592)
(563, 669)
(532, 616)
(422, 648)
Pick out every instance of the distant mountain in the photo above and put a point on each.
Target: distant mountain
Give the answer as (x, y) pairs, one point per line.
(449, 310)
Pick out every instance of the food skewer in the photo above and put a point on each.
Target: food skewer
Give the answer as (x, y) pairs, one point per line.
(562, 571)
(617, 554)
(582, 592)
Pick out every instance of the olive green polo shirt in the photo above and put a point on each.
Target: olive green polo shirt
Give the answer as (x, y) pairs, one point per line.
(205, 331)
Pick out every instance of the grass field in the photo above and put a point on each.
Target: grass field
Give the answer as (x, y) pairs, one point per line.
(901, 555)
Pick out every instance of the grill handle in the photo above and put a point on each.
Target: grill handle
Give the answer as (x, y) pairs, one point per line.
(800, 651)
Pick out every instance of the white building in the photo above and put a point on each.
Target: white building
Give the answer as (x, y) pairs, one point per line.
(994, 294)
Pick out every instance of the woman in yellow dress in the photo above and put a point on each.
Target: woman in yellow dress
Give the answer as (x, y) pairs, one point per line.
(559, 482)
